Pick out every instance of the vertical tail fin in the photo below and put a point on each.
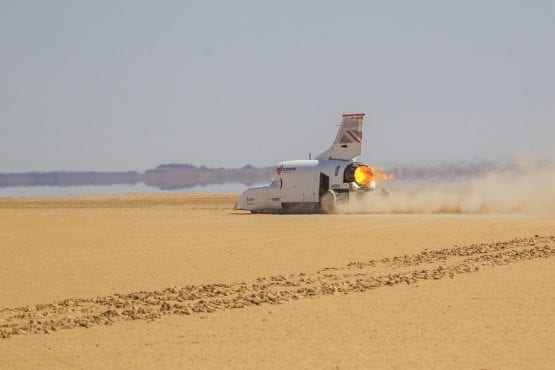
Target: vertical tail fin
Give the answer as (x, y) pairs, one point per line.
(348, 142)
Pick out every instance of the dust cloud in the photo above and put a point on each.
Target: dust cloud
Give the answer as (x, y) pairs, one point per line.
(520, 188)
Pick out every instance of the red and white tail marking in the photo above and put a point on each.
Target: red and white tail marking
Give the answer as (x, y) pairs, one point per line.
(348, 142)
(354, 136)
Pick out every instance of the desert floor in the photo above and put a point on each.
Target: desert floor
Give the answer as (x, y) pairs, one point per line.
(181, 280)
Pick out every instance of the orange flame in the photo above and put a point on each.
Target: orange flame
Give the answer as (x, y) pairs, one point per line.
(380, 174)
(363, 175)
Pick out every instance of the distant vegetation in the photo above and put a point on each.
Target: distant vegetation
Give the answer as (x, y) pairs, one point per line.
(178, 176)
(167, 176)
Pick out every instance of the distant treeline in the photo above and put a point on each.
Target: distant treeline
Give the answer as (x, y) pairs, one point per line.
(167, 176)
(176, 176)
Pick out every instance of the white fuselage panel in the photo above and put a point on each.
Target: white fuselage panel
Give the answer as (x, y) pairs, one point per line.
(294, 182)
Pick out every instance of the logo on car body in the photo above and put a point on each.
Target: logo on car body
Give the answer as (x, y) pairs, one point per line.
(281, 169)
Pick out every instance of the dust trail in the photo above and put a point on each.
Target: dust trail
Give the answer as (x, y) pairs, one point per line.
(359, 276)
(524, 188)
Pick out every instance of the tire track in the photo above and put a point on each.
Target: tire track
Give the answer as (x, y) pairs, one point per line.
(353, 277)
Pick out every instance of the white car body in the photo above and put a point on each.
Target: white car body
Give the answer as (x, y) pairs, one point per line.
(315, 185)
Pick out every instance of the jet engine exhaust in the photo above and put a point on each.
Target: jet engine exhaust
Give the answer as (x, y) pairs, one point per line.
(363, 175)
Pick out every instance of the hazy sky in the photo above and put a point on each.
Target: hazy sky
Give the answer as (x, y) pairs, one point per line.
(128, 85)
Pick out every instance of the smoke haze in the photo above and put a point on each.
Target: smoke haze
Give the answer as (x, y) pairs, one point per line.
(510, 188)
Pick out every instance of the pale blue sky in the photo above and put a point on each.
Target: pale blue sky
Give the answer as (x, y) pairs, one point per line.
(127, 85)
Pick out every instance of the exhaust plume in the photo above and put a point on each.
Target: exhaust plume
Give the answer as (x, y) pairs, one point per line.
(479, 188)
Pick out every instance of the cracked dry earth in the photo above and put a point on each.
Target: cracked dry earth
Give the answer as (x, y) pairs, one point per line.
(353, 277)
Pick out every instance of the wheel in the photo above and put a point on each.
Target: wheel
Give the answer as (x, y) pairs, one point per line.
(386, 193)
(328, 202)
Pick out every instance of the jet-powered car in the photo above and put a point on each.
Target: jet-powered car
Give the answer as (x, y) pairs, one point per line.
(316, 185)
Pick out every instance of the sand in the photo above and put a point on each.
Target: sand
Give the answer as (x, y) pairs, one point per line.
(181, 280)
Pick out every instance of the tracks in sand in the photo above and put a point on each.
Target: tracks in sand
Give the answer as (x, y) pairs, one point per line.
(354, 277)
